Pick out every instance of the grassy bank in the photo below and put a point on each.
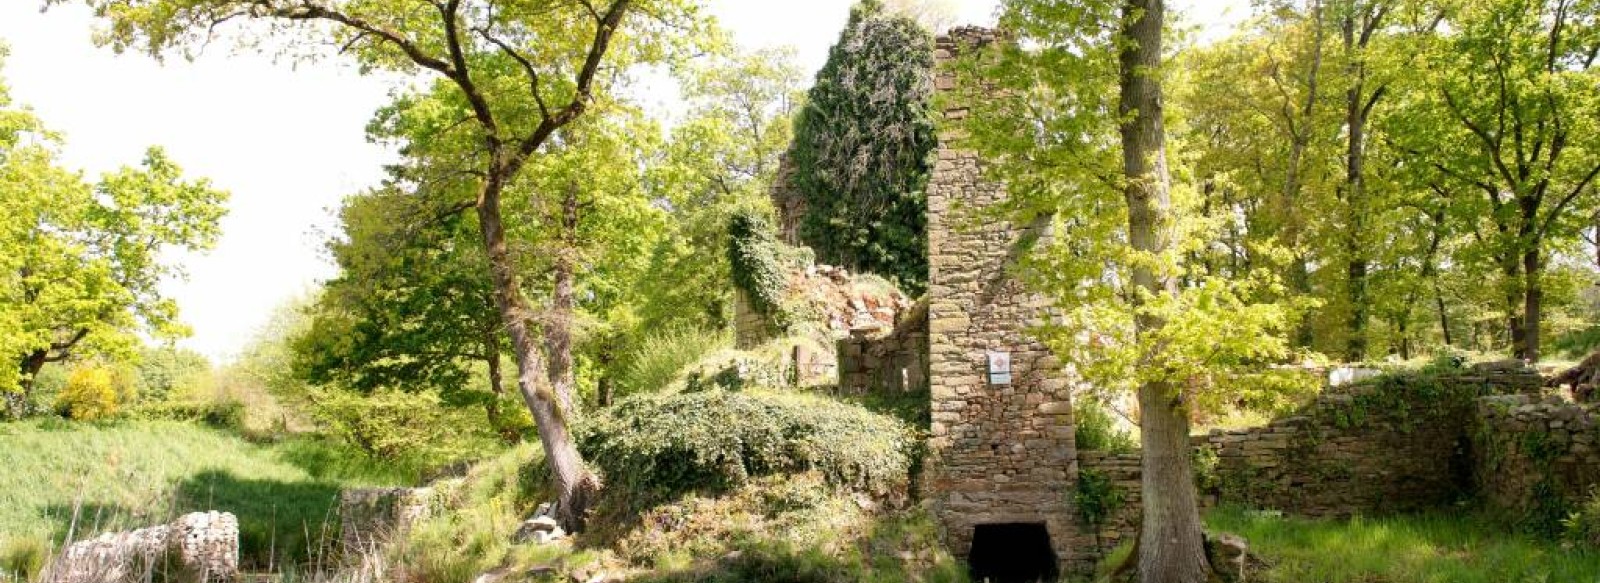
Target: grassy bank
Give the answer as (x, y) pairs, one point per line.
(1455, 547)
(133, 473)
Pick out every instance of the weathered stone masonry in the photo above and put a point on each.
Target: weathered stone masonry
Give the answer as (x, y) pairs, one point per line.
(1001, 453)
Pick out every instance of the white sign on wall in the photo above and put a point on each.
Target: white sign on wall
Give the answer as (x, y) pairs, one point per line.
(999, 368)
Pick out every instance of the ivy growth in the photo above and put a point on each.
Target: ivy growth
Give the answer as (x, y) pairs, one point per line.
(862, 146)
(1097, 497)
(755, 263)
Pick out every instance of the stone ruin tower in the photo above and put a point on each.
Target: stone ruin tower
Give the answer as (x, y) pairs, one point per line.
(1003, 465)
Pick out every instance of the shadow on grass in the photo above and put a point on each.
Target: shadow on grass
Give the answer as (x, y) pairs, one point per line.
(280, 523)
(890, 551)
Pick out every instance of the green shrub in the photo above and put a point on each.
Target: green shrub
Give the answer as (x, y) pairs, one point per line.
(662, 445)
(1582, 526)
(221, 414)
(90, 393)
(1096, 430)
(416, 429)
(661, 357)
(1097, 497)
(21, 558)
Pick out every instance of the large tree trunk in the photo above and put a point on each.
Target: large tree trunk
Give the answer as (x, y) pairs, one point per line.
(558, 326)
(17, 403)
(1173, 549)
(575, 484)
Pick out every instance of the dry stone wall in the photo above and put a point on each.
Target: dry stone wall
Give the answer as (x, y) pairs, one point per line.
(199, 547)
(369, 516)
(1395, 443)
(1000, 453)
(1538, 457)
(896, 361)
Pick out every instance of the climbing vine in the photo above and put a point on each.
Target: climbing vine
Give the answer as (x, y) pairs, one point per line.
(1096, 497)
(755, 263)
(861, 149)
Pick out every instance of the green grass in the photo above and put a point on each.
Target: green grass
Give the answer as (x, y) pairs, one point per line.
(135, 473)
(1446, 547)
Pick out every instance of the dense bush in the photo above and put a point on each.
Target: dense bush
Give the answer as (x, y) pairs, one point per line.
(862, 146)
(91, 393)
(1096, 430)
(407, 428)
(654, 445)
(219, 413)
(1581, 527)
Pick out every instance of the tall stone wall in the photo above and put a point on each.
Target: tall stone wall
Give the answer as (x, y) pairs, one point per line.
(1000, 453)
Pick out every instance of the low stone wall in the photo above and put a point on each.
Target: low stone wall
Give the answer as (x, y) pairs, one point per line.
(1537, 457)
(199, 547)
(368, 516)
(1389, 444)
(1107, 501)
(896, 361)
(1395, 443)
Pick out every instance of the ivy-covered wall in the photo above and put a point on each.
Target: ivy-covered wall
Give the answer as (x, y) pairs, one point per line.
(1537, 458)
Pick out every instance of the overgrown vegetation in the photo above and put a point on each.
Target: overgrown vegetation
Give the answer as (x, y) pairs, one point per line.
(662, 356)
(657, 446)
(1459, 547)
(121, 475)
(754, 260)
(862, 146)
(1095, 429)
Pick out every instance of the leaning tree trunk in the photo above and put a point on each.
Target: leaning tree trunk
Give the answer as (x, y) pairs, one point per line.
(1173, 549)
(575, 484)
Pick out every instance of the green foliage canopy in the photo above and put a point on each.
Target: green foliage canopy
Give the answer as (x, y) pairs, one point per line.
(81, 264)
(862, 145)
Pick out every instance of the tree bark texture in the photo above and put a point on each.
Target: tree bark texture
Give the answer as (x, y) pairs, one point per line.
(1173, 549)
(575, 484)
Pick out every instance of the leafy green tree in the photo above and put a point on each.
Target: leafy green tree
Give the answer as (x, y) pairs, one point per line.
(1504, 121)
(82, 264)
(524, 71)
(861, 149)
(410, 309)
(169, 372)
(1070, 117)
(722, 159)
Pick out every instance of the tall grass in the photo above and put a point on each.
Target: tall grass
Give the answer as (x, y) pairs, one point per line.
(661, 357)
(1445, 547)
(135, 473)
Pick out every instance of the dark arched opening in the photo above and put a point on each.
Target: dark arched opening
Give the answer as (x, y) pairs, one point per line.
(1012, 553)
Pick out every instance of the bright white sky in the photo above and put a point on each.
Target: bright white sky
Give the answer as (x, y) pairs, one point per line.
(287, 140)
